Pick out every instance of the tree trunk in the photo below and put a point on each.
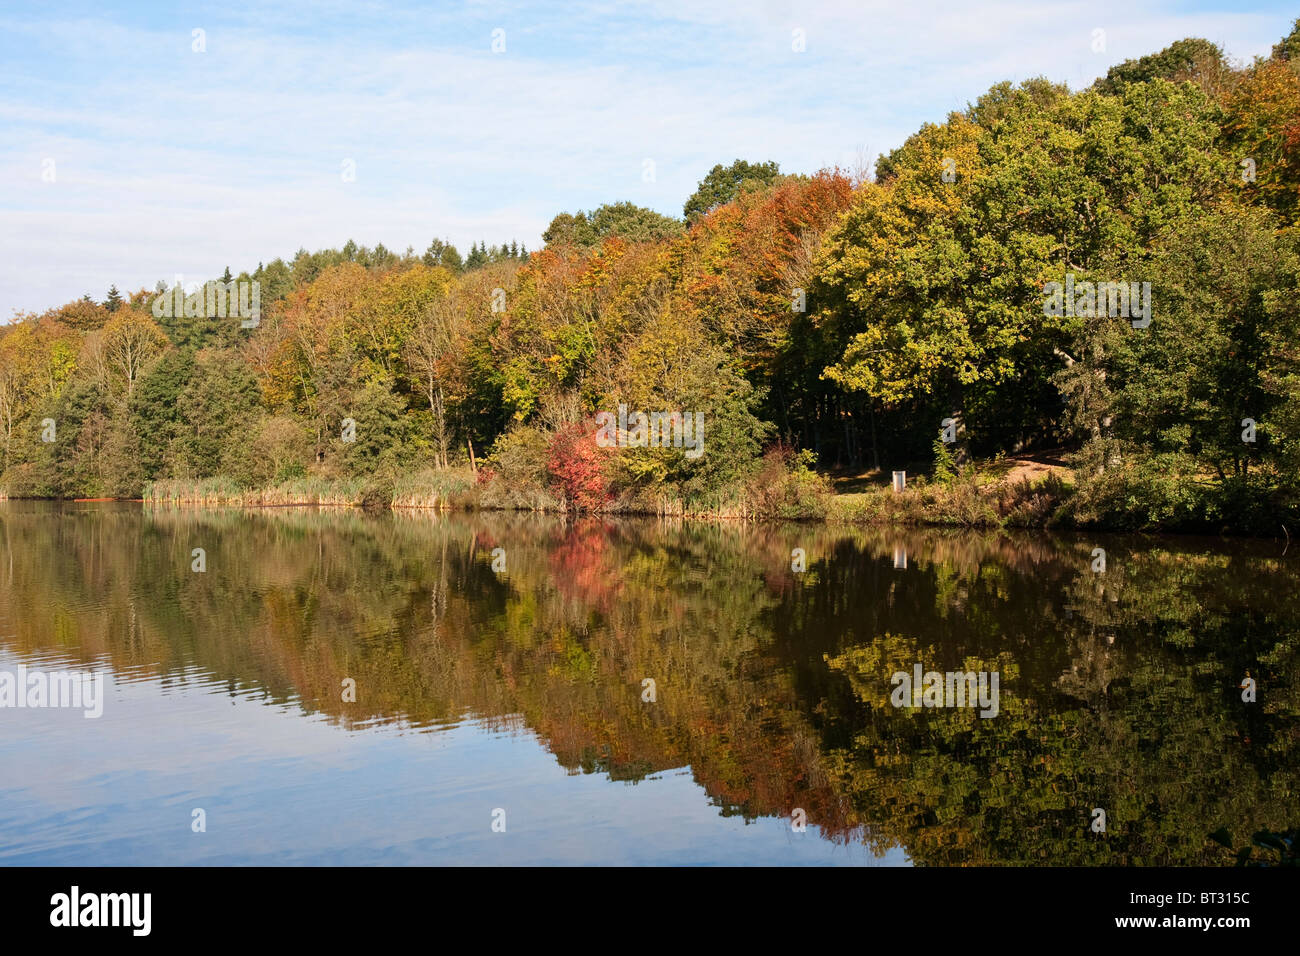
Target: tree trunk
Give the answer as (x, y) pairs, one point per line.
(440, 424)
(875, 452)
(961, 449)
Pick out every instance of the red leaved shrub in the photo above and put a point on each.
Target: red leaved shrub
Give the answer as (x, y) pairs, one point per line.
(576, 466)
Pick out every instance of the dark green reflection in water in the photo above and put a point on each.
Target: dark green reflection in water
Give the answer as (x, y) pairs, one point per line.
(1118, 690)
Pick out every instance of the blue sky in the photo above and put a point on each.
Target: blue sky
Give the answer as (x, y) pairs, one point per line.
(167, 161)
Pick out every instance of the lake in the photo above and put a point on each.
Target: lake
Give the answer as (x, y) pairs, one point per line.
(312, 686)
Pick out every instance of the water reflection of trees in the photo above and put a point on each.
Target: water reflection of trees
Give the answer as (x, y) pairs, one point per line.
(1118, 690)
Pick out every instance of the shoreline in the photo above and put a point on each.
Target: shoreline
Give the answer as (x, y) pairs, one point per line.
(920, 506)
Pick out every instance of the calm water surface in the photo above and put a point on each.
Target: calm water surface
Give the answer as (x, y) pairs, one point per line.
(522, 690)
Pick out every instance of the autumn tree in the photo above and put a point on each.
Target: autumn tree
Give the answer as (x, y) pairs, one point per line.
(725, 183)
(1262, 134)
(311, 348)
(435, 342)
(130, 342)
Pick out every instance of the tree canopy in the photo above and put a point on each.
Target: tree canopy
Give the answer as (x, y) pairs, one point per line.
(724, 183)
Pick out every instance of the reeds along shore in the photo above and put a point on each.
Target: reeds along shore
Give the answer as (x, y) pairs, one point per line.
(971, 500)
(976, 497)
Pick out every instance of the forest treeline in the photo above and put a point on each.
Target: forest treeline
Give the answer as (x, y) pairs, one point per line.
(815, 321)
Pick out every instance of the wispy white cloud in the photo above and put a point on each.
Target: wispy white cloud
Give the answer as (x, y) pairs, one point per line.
(170, 161)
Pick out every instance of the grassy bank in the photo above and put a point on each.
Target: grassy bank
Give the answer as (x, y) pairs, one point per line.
(993, 494)
(978, 498)
(224, 491)
(428, 489)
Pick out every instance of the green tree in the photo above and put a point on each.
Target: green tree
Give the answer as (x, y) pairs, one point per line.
(1189, 59)
(155, 412)
(384, 432)
(623, 219)
(724, 183)
(477, 257)
(442, 253)
(276, 279)
(217, 413)
(1288, 48)
(1165, 407)
(935, 277)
